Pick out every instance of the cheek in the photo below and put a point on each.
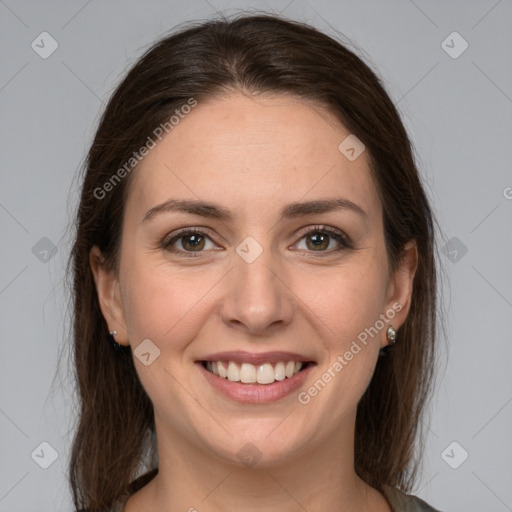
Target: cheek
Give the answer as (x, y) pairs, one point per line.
(349, 308)
(165, 304)
(348, 302)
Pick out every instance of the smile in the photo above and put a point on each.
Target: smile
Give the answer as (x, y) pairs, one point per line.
(255, 378)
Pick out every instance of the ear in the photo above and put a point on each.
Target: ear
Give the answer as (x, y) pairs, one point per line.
(401, 285)
(109, 296)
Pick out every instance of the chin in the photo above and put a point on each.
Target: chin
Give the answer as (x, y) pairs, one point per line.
(258, 451)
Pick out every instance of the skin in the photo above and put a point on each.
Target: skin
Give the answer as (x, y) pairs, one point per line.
(253, 156)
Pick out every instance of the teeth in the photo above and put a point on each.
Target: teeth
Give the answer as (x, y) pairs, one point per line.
(223, 371)
(247, 373)
(266, 374)
(250, 374)
(290, 367)
(233, 372)
(280, 371)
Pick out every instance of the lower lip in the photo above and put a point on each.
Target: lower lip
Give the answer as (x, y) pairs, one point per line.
(256, 393)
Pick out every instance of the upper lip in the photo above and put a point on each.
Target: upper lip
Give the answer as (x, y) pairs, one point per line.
(256, 358)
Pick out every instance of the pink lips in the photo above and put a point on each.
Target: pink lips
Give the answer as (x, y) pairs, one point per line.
(256, 393)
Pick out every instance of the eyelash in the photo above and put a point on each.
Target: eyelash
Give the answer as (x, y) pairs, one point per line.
(342, 239)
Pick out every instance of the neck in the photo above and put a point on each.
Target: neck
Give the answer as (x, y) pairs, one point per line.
(322, 478)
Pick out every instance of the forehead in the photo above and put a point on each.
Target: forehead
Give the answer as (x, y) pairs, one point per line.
(250, 153)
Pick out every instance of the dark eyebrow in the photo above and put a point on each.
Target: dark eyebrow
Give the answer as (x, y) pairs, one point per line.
(290, 211)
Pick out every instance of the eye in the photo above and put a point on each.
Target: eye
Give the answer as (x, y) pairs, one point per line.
(318, 239)
(193, 240)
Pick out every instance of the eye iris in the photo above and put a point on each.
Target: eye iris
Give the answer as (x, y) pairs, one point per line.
(198, 244)
(317, 242)
(195, 241)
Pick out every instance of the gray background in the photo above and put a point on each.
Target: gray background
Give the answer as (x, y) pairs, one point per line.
(459, 114)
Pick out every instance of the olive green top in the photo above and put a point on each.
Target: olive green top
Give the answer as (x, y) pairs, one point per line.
(398, 500)
(401, 502)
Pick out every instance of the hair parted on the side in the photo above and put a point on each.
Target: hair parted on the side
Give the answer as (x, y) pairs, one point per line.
(252, 54)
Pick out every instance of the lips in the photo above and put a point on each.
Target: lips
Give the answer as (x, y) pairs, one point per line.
(255, 377)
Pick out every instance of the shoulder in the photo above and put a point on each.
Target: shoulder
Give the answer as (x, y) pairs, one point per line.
(403, 502)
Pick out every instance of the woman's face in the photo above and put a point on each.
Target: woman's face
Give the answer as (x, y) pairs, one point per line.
(263, 273)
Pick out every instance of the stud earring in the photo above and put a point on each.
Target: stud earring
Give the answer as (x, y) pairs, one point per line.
(116, 345)
(391, 335)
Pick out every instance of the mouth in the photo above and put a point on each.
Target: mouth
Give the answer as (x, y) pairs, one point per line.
(255, 378)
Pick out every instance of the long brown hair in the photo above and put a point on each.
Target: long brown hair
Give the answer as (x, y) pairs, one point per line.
(114, 437)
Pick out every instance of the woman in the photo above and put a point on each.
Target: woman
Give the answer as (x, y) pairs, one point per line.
(254, 282)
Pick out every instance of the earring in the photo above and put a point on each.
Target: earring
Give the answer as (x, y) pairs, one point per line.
(116, 345)
(391, 334)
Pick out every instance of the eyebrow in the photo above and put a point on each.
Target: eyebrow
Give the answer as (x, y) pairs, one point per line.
(290, 211)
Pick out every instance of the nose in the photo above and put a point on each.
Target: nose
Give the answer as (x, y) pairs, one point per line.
(258, 299)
